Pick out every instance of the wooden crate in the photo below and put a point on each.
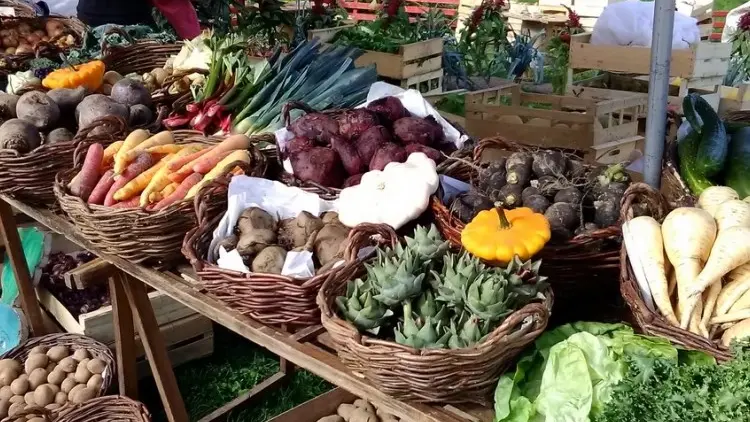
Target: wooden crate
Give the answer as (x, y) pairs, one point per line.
(734, 98)
(436, 97)
(314, 409)
(602, 123)
(367, 10)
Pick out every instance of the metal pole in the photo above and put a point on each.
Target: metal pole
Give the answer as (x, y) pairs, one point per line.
(658, 90)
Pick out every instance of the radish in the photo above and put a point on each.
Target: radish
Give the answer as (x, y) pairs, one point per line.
(731, 249)
(738, 283)
(733, 213)
(688, 236)
(712, 197)
(646, 250)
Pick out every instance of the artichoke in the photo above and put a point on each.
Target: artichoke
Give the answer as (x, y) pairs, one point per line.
(426, 244)
(360, 308)
(459, 271)
(471, 331)
(525, 281)
(420, 334)
(488, 296)
(395, 278)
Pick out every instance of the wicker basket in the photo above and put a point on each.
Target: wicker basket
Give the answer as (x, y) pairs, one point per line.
(269, 298)
(74, 342)
(136, 234)
(49, 49)
(641, 199)
(21, 8)
(106, 408)
(30, 176)
(583, 269)
(429, 376)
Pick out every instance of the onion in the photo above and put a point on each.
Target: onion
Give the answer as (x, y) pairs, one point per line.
(56, 32)
(10, 50)
(32, 39)
(39, 33)
(23, 26)
(10, 41)
(54, 27)
(24, 48)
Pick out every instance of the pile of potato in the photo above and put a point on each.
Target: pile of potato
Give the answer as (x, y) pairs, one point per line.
(50, 379)
(359, 411)
(24, 37)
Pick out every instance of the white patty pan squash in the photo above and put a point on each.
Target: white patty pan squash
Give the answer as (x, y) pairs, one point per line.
(394, 196)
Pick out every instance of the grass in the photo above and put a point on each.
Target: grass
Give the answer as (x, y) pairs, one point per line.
(236, 366)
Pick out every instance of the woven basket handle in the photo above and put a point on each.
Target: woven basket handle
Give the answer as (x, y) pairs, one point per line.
(40, 412)
(361, 235)
(641, 193)
(105, 47)
(295, 105)
(116, 127)
(495, 142)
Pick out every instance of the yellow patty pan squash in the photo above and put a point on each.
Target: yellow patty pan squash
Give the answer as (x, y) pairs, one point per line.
(497, 235)
(88, 75)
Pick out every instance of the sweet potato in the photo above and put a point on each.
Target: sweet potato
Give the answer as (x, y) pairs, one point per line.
(353, 123)
(388, 153)
(388, 108)
(371, 140)
(320, 165)
(316, 126)
(298, 144)
(38, 109)
(89, 175)
(349, 156)
(431, 153)
(352, 180)
(415, 130)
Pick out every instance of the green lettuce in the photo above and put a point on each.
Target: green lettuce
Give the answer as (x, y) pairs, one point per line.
(571, 373)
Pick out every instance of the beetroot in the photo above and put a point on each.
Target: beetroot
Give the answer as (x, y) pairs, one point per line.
(352, 180)
(320, 165)
(298, 144)
(316, 126)
(387, 153)
(353, 164)
(353, 123)
(415, 130)
(432, 153)
(389, 108)
(371, 140)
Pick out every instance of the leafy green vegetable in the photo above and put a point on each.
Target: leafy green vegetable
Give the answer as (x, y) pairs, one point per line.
(574, 370)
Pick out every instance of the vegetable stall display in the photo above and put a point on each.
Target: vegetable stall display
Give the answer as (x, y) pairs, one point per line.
(686, 271)
(139, 191)
(419, 319)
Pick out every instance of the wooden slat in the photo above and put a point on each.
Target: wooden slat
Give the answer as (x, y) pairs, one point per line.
(268, 384)
(88, 274)
(124, 331)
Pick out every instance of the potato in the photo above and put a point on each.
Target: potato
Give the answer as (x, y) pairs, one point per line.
(75, 391)
(95, 382)
(83, 363)
(84, 394)
(16, 399)
(81, 354)
(56, 377)
(269, 261)
(364, 404)
(5, 393)
(96, 366)
(294, 232)
(37, 419)
(111, 77)
(257, 230)
(345, 410)
(362, 415)
(332, 418)
(35, 361)
(330, 242)
(16, 408)
(61, 398)
(7, 376)
(39, 109)
(82, 374)
(19, 386)
(67, 385)
(11, 364)
(37, 377)
(44, 395)
(67, 365)
(54, 406)
(50, 367)
(4, 405)
(55, 388)
(29, 398)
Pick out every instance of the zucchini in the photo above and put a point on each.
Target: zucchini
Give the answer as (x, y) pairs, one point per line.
(687, 149)
(714, 145)
(737, 175)
(688, 110)
(733, 126)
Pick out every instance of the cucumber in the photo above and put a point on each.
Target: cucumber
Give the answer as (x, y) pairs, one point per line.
(733, 127)
(687, 149)
(688, 110)
(714, 145)
(737, 172)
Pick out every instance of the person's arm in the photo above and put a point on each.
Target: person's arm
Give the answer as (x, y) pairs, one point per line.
(181, 15)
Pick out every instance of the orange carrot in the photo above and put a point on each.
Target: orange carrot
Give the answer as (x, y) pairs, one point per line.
(100, 190)
(136, 186)
(186, 170)
(158, 181)
(89, 174)
(208, 161)
(220, 168)
(177, 164)
(109, 153)
(180, 192)
(237, 171)
(138, 166)
(130, 203)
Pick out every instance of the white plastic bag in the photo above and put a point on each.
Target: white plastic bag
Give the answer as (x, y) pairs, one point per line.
(632, 23)
(733, 19)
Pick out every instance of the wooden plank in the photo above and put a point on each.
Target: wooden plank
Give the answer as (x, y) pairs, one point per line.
(546, 137)
(197, 348)
(269, 383)
(422, 49)
(616, 151)
(528, 113)
(410, 70)
(89, 273)
(58, 311)
(124, 332)
(314, 409)
(177, 332)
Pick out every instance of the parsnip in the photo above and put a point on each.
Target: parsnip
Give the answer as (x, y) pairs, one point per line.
(689, 234)
(712, 197)
(695, 325)
(646, 250)
(709, 303)
(731, 249)
(738, 331)
(742, 303)
(733, 213)
(640, 277)
(731, 317)
(738, 283)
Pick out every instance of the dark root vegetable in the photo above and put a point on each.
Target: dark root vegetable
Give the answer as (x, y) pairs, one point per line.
(353, 123)
(388, 153)
(548, 186)
(130, 92)
(415, 130)
(316, 126)
(298, 144)
(518, 168)
(466, 206)
(352, 180)
(606, 212)
(97, 105)
(492, 178)
(19, 135)
(529, 191)
(60, 134)
(67, 99)
(575, 168)
(8, 104)
(347, 152)
(140, 115)
(38, 109)
(587, 228)
(319, 165)
(371, 141)
(570, 195)
(538, 203)
(614, 191)
(431, 153)
(562, 215)
(388, 108)
(548, 163)
(509, 196)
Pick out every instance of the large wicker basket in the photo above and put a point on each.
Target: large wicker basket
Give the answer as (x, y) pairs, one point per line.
(74, 342)
(640, 199)
(49, 49)
(22, 9)
(30, 176)
(106, 408)
(583, 269)
(136, 234)
(431, 375)
(269, 298)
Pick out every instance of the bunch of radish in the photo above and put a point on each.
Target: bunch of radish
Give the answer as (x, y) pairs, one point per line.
(695, 266)
(152, 172)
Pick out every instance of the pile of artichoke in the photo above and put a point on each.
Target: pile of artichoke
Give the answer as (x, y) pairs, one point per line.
(425, 296)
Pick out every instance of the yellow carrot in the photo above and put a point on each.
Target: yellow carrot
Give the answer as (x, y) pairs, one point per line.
(168, 190)
(135, 138)
(166, 149)
(158, 182)
(161, 138)
(109, 153)
(220, 168)
(135, 186)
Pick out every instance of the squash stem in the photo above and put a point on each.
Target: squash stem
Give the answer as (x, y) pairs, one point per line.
(504, 223)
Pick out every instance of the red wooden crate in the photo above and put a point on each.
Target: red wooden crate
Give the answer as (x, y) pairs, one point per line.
(366, 11)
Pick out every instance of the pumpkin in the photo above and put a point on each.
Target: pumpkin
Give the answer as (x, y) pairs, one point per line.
(497, 235)
(88, 75)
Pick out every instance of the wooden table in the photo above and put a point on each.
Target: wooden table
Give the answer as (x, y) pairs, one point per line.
(130, 305)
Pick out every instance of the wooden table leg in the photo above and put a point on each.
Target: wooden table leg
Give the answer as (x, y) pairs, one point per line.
(156, 350)
(17, 258)
(127, 376)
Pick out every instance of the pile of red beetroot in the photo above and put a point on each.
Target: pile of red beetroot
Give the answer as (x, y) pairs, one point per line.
(335, 149)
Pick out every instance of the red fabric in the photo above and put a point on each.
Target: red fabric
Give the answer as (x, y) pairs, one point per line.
(181, 15)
